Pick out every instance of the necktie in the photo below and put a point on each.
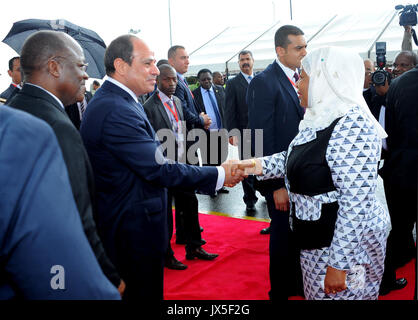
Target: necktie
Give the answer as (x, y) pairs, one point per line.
(82, 107)
(250, 78)
(174, 123)
(215, 109)
(296, 76)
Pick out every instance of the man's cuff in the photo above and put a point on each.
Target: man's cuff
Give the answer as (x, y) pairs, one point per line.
(221, 178)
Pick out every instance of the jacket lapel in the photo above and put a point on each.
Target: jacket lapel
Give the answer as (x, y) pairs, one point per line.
(284, 81)
(161, 108)
(41, 94)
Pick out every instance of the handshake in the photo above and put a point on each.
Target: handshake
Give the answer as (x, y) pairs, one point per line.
(237, 170)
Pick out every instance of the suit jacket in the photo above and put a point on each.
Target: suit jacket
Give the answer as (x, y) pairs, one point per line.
(73, 111)
(7, 93)
(190, 109)
(236, 108)
(157, 115)
(273, 106)
(131, 177)
(39, 223)
(220, 100)
(42, 105)
(400, 168)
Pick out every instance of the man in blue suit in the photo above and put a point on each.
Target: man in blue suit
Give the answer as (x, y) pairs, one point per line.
(44, 252)
(131, 172)
(273, 106)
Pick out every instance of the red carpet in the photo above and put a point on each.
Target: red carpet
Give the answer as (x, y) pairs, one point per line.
(241, 270)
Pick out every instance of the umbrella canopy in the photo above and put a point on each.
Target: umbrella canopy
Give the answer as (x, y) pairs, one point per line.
(93, 46)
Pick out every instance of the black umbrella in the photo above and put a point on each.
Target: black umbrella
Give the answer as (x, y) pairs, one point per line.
(93, 46)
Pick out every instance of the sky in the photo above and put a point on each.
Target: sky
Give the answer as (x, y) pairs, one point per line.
(193, 22)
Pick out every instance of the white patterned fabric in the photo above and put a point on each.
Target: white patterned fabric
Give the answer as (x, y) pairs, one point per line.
(362, 225)
(335, 86)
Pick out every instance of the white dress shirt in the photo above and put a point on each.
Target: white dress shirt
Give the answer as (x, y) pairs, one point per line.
(288, 72)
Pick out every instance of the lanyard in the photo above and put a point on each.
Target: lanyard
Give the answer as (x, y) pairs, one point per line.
(173, 112)
(294, 85)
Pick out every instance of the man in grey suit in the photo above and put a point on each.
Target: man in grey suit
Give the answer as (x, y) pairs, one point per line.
(164, 111)
(236, 116)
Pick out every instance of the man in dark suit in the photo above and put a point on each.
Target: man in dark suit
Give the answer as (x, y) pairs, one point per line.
(76, 110)
(400, 175)
(218, 79)
(273, 106)
(164, 111)
(44, 252)
(14, 73)
(210, 99)
(54, 70)
(179, 59)
(131, 171)
(236, 117)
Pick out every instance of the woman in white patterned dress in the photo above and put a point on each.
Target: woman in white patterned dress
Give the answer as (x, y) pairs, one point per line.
(330, 171)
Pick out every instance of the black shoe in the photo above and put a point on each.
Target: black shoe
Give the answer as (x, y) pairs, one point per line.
(183, 241)
(174, 264)
(397, 285)
(213, 196)
(250, 207)
(265, 231)
(199, 253)
(223, 190)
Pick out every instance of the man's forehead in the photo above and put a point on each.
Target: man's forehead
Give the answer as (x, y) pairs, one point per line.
(297, 40)
(245, 56)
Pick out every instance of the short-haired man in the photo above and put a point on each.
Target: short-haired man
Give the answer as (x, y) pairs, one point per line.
(164, 111)
(179, 60)
(54, 70)
(273, 106)
(400, 176)
(218, 78)
(236, 117)
(131, 172)
(404, 61)
(14, 73)
(95, 86)
(210, 99)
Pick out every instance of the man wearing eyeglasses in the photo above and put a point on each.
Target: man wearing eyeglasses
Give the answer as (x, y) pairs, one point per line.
(54, 70)
(404, 61)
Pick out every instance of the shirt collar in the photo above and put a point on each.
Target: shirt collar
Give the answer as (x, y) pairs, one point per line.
(122, 86)
(164, 97)
(247, 75)
(289, 72)
(58, 100)
(206, 90)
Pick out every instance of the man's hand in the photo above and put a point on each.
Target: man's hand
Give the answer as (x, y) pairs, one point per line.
(233, 140)
(251, 166)
(233, 174)
(334, 281)
(408, 29)
(281, 199)
(207, 120)
(381, 90)
(121, 287)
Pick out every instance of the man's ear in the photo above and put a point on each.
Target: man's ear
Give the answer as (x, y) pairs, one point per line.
(9, 73)
(120, 66)
(280, 51)
(54, 68)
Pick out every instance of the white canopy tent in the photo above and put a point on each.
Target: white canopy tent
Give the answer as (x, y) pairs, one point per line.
(360, 32)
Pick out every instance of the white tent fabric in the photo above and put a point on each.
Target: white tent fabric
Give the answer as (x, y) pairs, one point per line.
(359, 32)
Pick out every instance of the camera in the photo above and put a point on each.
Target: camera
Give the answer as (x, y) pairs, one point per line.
(379, 77)
(408, 15)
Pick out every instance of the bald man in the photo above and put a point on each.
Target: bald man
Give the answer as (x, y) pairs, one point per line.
(404, 61)
(54, 70)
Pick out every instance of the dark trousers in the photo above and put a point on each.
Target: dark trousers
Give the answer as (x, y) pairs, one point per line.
(402, 205)
(249, 191)
(187, 219)
(285, 270)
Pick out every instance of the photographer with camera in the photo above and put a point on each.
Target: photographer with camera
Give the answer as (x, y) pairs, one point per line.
(400, 175)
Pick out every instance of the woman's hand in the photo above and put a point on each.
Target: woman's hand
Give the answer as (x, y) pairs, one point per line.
(334, 281)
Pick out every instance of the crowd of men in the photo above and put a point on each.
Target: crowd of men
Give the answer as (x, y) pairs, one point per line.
(99, 179)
